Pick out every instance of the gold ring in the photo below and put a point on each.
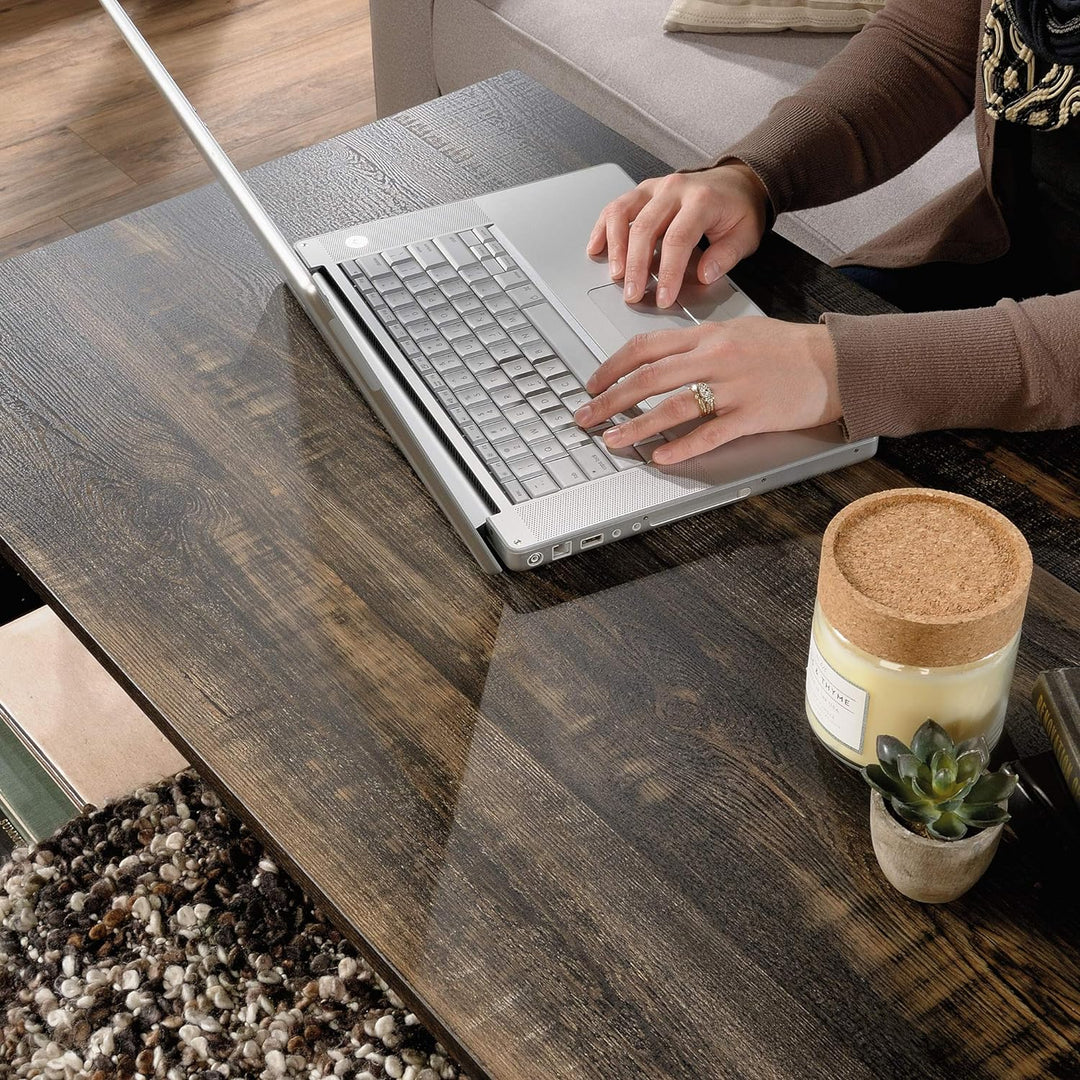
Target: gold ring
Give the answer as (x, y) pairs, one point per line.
(703, 395)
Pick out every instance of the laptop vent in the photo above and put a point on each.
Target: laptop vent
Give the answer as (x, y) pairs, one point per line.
(615, 497)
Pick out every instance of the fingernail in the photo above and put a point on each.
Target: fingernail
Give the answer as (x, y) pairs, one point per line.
(583, 415)
(661, 455)
(614, 436)
(663, 296)
(629, 288)
(616, 268)
(710, 272)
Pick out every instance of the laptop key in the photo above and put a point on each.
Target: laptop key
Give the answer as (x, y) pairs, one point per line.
(490, 265)
(408, 268)
(454, 330)
(445, 361)
(491, 334)
(537, 350)
(434, 380)
(485, 415)
(566, 471)
(507, 278)
(427, 254)
(531, 383)
(373, 265)
(524, 467)
(571, 436)
(423, 328)
(505, 395)
(385, 283)
(526, 294)
(511, 319)
(550, 368)
(467, 346)
(474, 273)
(497, 305)
(497, 429)
(520, 413)
(474, 394)
(524, 334)
(446, 396)
(472, 432)
(560, 418)
(622, 457)
(492, 380)
(486, 287)
(443, 273)
(457, 378)
(576, 399)
(398, 298)
(442, 314)
(455, 288)
(506, 350)
(430, 298)
(532, 429)
(477, 319)
(511, 448)
(482, 232)
(540, 485)
(500, 470)
(547, 448)
(481, 362)
(514, 367)
(410, 313)
(543, 401)
(565, 384)
(464, 304)
(432, 346)
(457, 413)
(516, 491)
(486, 450)
(592, 460)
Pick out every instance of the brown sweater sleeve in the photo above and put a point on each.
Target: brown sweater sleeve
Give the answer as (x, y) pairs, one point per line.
(895, 90)
(1014, 366)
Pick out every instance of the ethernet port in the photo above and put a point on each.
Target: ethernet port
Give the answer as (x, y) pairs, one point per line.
(560, 551)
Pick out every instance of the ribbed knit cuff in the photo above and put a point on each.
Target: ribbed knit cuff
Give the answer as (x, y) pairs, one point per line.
(795, 153)
(899, 374)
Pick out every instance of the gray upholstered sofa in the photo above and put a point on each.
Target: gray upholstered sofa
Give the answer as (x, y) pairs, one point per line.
(681, 96)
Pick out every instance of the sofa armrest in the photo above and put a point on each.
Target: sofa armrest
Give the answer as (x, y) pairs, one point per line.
(402, 54)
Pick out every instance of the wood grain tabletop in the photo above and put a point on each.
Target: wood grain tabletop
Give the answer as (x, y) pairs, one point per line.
(577, 816)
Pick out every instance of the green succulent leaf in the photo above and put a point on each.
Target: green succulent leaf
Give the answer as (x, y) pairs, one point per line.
(891, 787)
(993, 787)
(889, 750)
(916, 774)
(947, 827)
(969, 766)
(917, 814)
(943, 773)
(978, 745)
(982, 815)
(929, 738)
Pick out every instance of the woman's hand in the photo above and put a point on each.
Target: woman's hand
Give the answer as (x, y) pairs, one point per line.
(765, 375)
(726, 204)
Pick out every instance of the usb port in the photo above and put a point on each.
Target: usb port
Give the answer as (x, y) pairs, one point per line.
(560, 551)
(590, 541)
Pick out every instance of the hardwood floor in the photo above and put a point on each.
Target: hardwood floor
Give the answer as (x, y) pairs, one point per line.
(85, 138)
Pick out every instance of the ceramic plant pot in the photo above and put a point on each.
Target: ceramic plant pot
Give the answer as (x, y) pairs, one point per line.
(930, 871)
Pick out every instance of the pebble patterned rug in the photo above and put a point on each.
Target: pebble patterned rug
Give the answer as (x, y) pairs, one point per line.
(155, 938)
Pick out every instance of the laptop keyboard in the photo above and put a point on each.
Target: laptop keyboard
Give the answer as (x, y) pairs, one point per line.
(497, 355)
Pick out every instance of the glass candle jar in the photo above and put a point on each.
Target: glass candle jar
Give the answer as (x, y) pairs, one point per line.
(921, 594)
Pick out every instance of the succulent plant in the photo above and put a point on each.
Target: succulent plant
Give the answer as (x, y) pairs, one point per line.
(943, 788)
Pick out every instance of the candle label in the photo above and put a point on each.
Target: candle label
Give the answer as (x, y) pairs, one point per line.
(836, 703)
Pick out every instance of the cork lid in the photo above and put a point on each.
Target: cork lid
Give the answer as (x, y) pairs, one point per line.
(924, 578)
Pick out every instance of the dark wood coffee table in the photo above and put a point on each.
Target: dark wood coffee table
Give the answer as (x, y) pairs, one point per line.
(576, 817)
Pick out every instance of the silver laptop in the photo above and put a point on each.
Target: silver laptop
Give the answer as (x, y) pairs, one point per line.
(471, 329)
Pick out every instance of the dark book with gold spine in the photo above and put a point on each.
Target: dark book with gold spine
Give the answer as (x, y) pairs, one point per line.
(1056, 695)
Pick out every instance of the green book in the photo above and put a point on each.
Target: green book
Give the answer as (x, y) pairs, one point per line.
(1056, 696)
(31, 799)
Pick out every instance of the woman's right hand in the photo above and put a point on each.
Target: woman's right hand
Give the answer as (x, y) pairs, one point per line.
(726, 204)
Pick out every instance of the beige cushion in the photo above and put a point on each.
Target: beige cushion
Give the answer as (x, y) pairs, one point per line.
(754, 16)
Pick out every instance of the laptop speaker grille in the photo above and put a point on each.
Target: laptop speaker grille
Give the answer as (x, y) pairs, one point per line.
(610, 499)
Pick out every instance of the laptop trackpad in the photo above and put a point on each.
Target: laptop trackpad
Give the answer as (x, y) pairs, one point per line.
(631, 319)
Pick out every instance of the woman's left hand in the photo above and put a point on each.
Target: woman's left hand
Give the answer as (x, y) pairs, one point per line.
(765, 375)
